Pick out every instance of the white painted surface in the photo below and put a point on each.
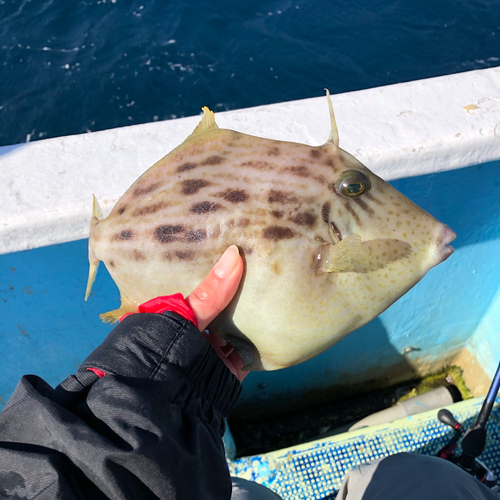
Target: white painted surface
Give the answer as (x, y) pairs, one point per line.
(397, 131)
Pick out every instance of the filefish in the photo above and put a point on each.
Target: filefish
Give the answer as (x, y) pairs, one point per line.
(327, 244)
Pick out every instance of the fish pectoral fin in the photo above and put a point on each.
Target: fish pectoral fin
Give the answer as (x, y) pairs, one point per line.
(207, 123)
(336, 258)
(127, 306)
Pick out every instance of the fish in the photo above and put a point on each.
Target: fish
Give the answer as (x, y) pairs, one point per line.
(327, 244)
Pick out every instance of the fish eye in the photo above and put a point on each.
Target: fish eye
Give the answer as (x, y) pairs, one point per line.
(352, 183)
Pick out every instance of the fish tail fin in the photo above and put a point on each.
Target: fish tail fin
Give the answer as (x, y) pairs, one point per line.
(93, 260)
(333, 138)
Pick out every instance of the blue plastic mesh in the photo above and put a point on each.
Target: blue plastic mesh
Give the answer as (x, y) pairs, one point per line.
(315, 470)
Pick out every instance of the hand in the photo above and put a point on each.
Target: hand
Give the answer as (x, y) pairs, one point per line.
(211, 296)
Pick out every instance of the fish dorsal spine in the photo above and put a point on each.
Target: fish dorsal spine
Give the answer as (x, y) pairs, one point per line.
(333, 138)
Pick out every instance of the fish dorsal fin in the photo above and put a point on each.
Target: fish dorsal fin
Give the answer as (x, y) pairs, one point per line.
(333, 138)
(207, 123)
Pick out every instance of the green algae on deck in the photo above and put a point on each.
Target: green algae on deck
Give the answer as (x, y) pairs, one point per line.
(448, 375)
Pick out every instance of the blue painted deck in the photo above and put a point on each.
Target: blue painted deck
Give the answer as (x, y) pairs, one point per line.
(46, 328)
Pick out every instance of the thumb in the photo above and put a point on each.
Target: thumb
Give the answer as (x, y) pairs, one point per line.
(215, 292)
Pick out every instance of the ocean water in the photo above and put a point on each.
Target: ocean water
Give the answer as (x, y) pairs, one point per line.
(70, 67)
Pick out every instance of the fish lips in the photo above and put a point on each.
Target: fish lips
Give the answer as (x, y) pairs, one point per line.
(446, 236)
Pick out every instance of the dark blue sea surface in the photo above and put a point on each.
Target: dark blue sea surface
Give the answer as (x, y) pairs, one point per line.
(68, 67)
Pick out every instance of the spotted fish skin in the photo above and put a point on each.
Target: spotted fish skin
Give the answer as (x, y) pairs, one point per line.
(320, 262)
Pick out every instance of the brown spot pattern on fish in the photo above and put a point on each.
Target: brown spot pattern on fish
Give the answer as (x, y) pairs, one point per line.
(197, 235)
(281, 197)
(214, 160)
(352, 212)
(315, 153)
(364, 206)
(274, 151)
(373, 257)
(166, 234)
(234, 195)
(192, 186)
(331, 187)
(235, 135)
(278, 233)
(369, 196)
(321, 179)
(241, 222)
(277, 214)
(257, 165)
(204, 207)
(150, 209)
(121, 210)
(185, 255)
(325, 212)
(335, 162)
(138, 255)
(186, 166)
(299, 171)
(276, 267)
(140, 189)
(124, 235)
(304, 219)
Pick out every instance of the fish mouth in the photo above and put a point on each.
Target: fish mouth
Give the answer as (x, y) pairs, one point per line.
(446, 236)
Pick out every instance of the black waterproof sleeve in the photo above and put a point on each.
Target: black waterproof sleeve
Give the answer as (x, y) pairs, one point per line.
(151, 428)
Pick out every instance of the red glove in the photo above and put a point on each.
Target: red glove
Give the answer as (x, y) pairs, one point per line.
(175, 303)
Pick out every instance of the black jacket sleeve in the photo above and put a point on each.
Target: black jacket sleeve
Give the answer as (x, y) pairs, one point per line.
(151, 428)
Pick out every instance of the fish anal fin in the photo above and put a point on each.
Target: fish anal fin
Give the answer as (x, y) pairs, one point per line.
(112, 316)
(127, 306)
(336, 258)
(207, 123)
